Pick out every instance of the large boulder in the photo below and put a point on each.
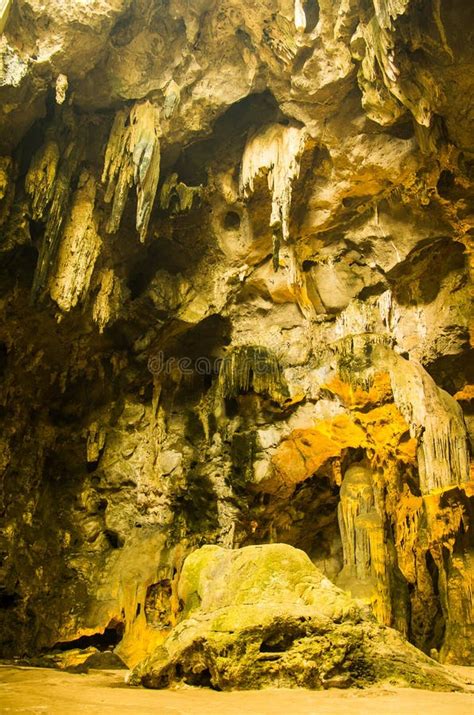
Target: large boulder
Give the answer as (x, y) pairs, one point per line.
(265, 616)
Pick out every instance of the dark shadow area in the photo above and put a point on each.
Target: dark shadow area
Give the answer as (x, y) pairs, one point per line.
(418, 279)
(229, 132)
(107, 640)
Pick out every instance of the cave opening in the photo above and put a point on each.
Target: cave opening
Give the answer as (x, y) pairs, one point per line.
(306, 518)
(438, 623)
(277, 642)
(114, 539)
(106, 640)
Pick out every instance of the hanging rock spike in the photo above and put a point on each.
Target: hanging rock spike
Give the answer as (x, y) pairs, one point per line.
(132, 158)
(274, 151)
(252, 367)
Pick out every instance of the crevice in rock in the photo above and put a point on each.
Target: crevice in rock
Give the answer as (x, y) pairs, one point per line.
(107, 640)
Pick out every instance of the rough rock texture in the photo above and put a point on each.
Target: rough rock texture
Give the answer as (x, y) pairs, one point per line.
(265, 616)
(235, 252)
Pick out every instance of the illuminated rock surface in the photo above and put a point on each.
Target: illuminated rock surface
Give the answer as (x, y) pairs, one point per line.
(264, 616)
(235, 310)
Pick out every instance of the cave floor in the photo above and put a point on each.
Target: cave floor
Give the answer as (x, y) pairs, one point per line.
(39, 690)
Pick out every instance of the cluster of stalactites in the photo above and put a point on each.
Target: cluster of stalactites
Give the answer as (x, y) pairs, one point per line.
(176, 196)
(48, 183)
(358, 332)
(252, 368)
(274, 151)
(132, 158)
(435, 420)
(354, 357)
(389, 84)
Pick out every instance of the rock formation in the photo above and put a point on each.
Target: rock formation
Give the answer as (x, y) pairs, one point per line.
(235, 299)
(266, 616)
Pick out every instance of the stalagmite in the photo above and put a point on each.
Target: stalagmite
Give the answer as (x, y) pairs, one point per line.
(357, 497)
(133, 158)
(363, 542)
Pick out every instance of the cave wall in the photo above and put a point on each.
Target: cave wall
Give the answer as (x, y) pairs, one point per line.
(235, 286)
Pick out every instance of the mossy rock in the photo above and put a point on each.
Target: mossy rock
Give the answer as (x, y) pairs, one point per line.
(265, 616)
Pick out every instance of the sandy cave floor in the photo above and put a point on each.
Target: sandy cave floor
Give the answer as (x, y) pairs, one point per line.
(39, 690)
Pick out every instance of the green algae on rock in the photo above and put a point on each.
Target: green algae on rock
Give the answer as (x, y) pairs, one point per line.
(265, 616)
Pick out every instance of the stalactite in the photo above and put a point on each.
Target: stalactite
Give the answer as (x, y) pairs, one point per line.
(96, 437)
(176, 197)
(48, 183)
(300, 16)
(388, 10)
(5, 6)
(62, 85)
(435, 419)
(252, 368)
(358, 332)
(79, 248)
(274, 151)
(279, 35)
(40, 180)
(358, 318)
(406, 510)
(133, 158)
(385, 306)
(108, 300)
(354, 355)
(388, 89)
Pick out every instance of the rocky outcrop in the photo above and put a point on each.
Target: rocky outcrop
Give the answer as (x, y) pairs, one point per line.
(235, 298)
(265, 616)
